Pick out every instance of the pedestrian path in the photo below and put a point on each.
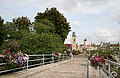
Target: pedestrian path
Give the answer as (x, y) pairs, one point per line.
(72, 68)
(93, 73)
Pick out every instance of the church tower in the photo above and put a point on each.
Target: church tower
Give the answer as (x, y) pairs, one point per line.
(73, 41)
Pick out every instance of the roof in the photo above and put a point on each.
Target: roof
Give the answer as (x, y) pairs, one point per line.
(105, 44)
(69, 45)
(114, 45)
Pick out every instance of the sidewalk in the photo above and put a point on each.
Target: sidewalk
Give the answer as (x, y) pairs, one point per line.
(93, 73)
(72, 68)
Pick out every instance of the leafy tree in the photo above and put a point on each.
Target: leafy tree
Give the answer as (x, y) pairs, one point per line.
(44, 26)
(41, 43)
(62, 27)
(13, 32)
(39, 37)
(22, 23)
(10, 29)
(2, 34)
(12, 44)
(13, 35)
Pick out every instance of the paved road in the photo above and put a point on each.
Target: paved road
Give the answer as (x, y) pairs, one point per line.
(72, 68)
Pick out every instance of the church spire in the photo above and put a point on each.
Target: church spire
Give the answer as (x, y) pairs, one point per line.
(73, 41)
(73, 34)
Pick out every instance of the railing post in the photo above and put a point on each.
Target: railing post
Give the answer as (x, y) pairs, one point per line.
(100, 74)
(27, 64)
(63, 56)
(52, 58)
(88, 72)
(66, 56)
(108, 70)
(43, 58)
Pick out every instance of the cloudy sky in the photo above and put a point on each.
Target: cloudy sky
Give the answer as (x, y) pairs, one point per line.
(96, 20)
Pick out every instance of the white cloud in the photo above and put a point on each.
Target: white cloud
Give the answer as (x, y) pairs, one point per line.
(114, 10)
(105, 35)
(85, 6)
(99, 35)
(69, 38)
(71, 8)
(7, 13)
(41, 2)
(110, 12)
(76, 23)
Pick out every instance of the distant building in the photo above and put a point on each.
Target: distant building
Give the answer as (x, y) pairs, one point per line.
(104, 46)
(69, 46)
(114, 47)
(89, 47)
(73, 46)
(94, 47)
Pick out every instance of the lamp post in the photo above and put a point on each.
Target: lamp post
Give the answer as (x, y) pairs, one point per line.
(84, 51)
(89, 46)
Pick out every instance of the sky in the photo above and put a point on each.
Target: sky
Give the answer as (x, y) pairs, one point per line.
(94, 20)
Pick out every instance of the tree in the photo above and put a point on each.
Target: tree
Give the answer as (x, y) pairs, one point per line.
(43, 40)
(13, 32)
(22, 23)
(2, 34)
(12, 45)
(38, 37)
(62, 27)
(10, 29)
(44, 26)
(41, 43)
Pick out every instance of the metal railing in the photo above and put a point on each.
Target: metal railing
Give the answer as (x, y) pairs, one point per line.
(37, 60)
(108, 70)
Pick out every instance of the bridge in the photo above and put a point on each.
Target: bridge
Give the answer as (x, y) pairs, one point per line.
(76, 67)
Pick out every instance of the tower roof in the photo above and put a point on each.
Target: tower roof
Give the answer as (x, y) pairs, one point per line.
(73, 34)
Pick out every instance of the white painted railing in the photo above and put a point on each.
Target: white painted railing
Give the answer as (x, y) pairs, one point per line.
(108, 72)
(41, 59)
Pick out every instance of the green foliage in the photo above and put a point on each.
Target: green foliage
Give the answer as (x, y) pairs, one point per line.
(62, 27)
(43, 40)
(41, 43)
(22, 23)
(12, 45)
(13, 32)
(118, 71)
(45, 35)
(44, 26)
(2, 33)
(107, 52)
(10, 27)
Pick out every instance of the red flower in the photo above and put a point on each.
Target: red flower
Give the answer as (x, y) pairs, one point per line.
(6, 51)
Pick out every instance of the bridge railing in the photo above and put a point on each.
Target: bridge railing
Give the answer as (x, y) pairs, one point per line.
(36, 60)
(109, 69)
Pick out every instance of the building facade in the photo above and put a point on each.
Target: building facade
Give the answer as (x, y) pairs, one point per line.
(74, 42)
(73, 46)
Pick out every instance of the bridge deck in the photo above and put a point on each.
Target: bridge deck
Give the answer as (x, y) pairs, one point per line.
(72, 68)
